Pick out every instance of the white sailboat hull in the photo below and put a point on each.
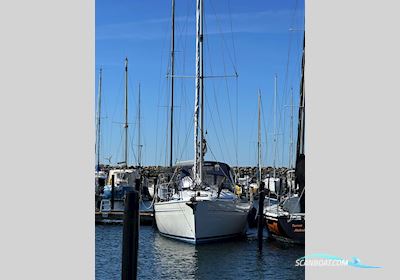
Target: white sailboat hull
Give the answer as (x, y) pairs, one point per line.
(201, 221)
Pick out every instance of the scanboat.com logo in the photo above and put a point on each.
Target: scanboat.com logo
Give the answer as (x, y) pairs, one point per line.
(329, 260)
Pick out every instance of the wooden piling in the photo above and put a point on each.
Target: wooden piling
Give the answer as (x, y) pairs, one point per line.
(112, 191)
(138, 183)
(130, 240)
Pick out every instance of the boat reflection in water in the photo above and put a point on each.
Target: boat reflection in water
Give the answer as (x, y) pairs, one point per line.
(165, 258)
(174, 259)
(237, 259)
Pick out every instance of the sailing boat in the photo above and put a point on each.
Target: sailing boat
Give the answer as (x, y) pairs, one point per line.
(100, 176)
(274, 183)
(286, 220)
(124, 178)
(198, 204)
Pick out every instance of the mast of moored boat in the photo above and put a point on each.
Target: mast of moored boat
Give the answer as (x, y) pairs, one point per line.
(300, 130)
(291, 152)
(259, 183)
(139, 131)
(98, 121)
(300, 157)
(259, 141)
(202, 140)
(198, 143)
(172, 82)
(126, 114)
(275, 144)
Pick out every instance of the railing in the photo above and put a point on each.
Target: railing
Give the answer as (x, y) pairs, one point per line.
(105, 206)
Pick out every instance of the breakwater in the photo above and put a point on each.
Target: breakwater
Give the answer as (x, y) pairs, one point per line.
(154, 171)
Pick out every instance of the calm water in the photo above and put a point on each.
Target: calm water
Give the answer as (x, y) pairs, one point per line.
(162, 258)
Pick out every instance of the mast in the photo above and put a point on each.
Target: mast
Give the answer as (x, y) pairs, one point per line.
(126, 114)
(139, 144)
(291, 152)
(202, 140)
(300, 156)
(98, 121)
(198, 143)
(172, 82)
(260, 185)
(275, 94)
(259, 140)
(300, 130)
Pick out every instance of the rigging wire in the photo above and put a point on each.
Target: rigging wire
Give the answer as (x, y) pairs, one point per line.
(222, 35)
(265, 130)
(285, 84)
(252, 136)
(167, 122)
(132, 149)
(237, 81)
(119, 150)
(132, 130)
(224, 44)
(216, 103)
(160, 91)
(232, 34)
(119, 102)
(237, 122)
(216, 134)
(227, 92)
(229, 104)
(183, 42)
(186, 139)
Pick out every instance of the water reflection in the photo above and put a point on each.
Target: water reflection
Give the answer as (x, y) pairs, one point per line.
(164, 258)
(176, 260)
(238, 259)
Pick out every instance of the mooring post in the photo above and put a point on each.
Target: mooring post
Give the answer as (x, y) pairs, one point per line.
(112, 191)
(138, 188)
(130, 239)
(261, 216)
(138, 183)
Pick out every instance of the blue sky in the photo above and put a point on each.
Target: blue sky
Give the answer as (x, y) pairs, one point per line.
(255, 38)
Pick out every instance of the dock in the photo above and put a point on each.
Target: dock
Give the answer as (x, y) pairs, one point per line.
(117, 218)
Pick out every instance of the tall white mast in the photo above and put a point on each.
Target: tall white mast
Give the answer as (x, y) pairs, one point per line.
(126, 113)
(199, 99)
(98, 121)
(172, 81)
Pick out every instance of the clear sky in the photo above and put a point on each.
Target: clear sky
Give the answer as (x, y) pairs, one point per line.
(255, 38)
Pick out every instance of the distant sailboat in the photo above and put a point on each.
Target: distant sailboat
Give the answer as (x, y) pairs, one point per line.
(198, 204)
(274, 183)
(286, 220)
(124, 178)
(98, 127)
(100, 175)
